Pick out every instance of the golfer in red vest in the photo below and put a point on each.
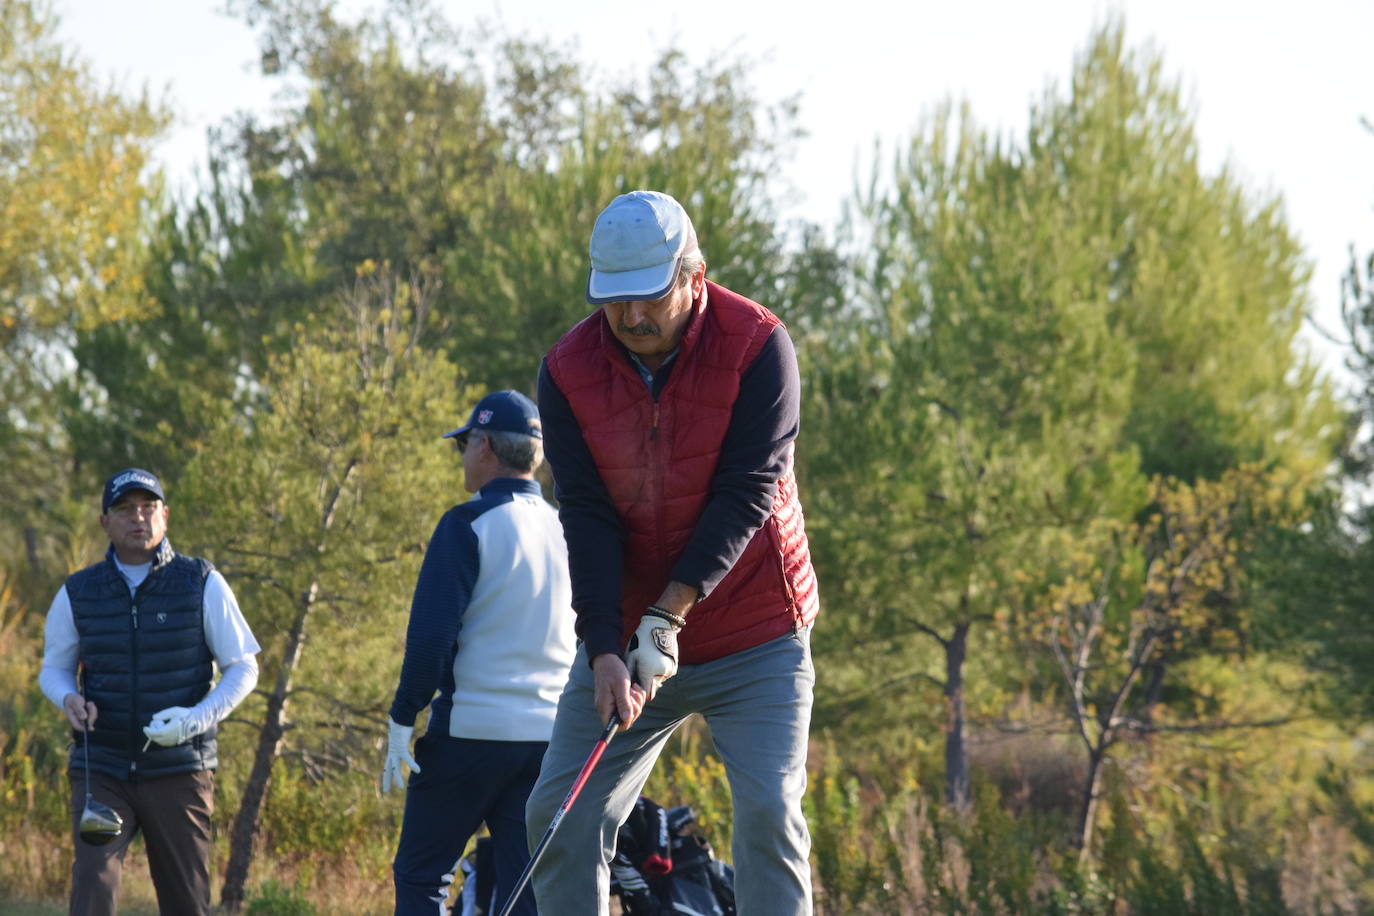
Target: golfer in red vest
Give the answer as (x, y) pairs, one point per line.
(669, 419)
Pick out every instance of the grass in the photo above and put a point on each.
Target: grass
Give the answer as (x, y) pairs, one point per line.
(24, 908)
(136, 895)
(48, 908)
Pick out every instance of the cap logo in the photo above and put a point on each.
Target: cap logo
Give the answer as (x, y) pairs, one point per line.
(131, 477)
(483, 417)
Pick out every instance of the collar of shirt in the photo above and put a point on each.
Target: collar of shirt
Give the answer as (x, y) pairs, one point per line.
(133, 573)
(643, 370)
(511, 485)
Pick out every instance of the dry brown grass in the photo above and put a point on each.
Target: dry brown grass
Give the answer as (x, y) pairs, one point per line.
(36, 869)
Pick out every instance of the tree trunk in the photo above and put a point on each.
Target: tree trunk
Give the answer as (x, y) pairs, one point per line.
(245, 829)
(31, 550)
(1154, 692)
(1087, 812)
(956, 750)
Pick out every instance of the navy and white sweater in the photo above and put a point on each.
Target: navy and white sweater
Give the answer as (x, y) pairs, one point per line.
(491, 623)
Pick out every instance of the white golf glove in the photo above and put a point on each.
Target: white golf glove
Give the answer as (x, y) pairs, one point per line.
(397, 753)
(652, 653)
(176, 725)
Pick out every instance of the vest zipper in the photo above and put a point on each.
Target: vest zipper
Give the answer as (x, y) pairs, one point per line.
(656, 474)
(133, 694)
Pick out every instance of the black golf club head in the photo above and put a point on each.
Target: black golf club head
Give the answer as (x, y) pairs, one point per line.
(99, 823)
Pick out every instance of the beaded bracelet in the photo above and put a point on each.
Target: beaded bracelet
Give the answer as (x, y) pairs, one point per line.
(667, 615)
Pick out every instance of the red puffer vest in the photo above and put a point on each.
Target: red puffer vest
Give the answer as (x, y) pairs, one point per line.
(657, 461)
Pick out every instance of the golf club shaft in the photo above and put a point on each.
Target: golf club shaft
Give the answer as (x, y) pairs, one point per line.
(85, 735)
(86, 755)
(581, 780)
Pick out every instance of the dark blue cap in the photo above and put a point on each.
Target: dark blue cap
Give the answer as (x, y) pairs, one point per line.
(127, 480)
(502, 412)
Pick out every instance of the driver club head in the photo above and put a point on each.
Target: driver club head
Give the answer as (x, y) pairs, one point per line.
(99, 823)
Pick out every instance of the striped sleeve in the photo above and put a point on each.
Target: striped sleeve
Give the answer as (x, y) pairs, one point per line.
(442, 592)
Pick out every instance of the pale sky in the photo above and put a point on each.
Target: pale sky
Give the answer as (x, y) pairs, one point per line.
(1278, 87)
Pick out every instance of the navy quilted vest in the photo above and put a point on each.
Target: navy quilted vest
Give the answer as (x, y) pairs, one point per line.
(143, 653)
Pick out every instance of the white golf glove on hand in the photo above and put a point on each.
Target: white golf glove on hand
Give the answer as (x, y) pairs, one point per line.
(397, 753)
(652, 653)
(176, 725)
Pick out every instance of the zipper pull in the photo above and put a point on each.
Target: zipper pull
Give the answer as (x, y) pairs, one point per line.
(135, 609)
(653, 430)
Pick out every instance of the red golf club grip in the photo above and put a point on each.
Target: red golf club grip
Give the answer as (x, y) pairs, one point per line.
(586, 771)
(591, 761)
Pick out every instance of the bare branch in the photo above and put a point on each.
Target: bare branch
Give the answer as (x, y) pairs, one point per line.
(931, 632)
(239, 720)
(370, 713)
(245, 552)
(1211, 727)
(858, 696)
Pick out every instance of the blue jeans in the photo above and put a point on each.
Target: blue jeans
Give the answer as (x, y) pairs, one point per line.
(758, 705)
(462, 783)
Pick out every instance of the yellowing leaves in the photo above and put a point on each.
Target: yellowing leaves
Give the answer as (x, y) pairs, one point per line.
(73, 192)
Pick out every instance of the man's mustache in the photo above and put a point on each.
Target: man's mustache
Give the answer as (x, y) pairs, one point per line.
(643, 329)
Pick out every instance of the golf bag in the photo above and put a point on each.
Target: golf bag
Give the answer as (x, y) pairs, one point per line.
(479, 881)
(664, 867)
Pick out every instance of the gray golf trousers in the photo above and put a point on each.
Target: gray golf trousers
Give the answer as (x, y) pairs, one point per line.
(758, 705)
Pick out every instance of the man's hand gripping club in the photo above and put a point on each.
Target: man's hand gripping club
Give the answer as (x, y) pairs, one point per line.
(652, 653)
(625, 685)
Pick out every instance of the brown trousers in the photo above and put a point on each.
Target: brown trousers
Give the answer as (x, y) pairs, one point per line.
(173, 813)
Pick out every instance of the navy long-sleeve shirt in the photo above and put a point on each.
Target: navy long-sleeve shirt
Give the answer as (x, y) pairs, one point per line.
(753, 456)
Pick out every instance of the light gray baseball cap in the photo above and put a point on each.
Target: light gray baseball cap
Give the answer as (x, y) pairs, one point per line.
(637, 244)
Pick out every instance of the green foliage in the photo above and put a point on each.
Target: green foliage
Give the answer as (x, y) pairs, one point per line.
(1313, 588)
(72, 191)
(1037, 326)
(1197, 886)
(356, 823)
(1135, 601)
(846, 868)
(1314, 583)
(75, 190)
(470, 165)
(332, 453)
(1009, 341)
(1322, 577)
(690, 775)
(272, 898)
(880, 847)
(698, 134)
(330, 474)
(1357, 313)
(1200, 275)
(33, 759)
